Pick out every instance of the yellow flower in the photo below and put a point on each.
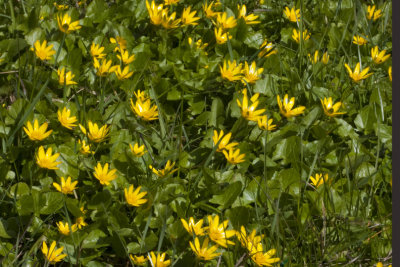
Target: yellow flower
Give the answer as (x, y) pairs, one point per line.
(188, 18)
(219, 233)
(357, 75)
(65, 119)
(138, 260)
(379, 57)
(248, 241)
(296, 35)
(372, 13)
(137, 150)
(84, 149)
(267, 49)
(199, 43)
(286, 107)
(249, 113)
(166, 171)
(144, 110)
(325, 58)
(155, 12)
(60, 7)
(120, 42)
(330, 109)
(103, 175)
(170, 2)
(263, 259)
(123, 74)
(65, 77)
(224, 144)
(51, 254)
(64, 228)
(292, 14)
(65, 24)
(220, 36)
(251, 74)
(379, 264)
(96, 51)
(80, 222)
(125, 58)
(207, 8)
(169, 21)
(134, 198)
(141, 95)
(96, 134)
(158, 261)
(315, 58)
(359, 40)
(43, 51)
(47, 160)
(233, 72)
(233, 156)
(250, 19)
(265, 124)
(194, 228)
(390, 73)
(66, 187)
(319, 179)
(224, 22)
(204, 252)
(37, 133)
(105, 68)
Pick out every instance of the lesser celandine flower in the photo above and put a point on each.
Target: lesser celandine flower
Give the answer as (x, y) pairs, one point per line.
(199, 43)
(120, 42)
(103, 175)
(379, 57)
(42, 51)
(319, 179)
(96, 134)
(207, 8)
(64, 229)
(123, 74)
(224, 22)
(65, 24)
(155, 12)
(65, 119)
(286, 107)
(356, 75)
(138, 260)
(233, 156)
(267, 49)
(125, 58)
(218, 232)
(314, 59)
(292, 14)
(390, 73)
(204, 252)
(134, 198)
(80, 221)
(331, 109)
(145, 110)
(159, 260)
(265, 124)
(263, 259)
(188, 18)
(47, 160)
(141, 95)
(51, 254)
(359, 40)
(65, 77)
(250, 73)
(373, 13)
(104, 68)
(224, 143)
(249, 112)
(60, 7)
(137, 150)
(194, 228)
(171, 2)
(296, 35)
(84, 148)
(249, 19)
(169, 21)
(220, 36)
(66, 187)
(96, 51)
(325, 58)
(233, 72)
(168, 169)
(248, 242)
(37, 133)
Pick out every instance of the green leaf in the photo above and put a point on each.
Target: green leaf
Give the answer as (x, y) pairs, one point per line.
(228, 196)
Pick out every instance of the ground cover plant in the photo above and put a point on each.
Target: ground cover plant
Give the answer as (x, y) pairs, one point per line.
(195, 133)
